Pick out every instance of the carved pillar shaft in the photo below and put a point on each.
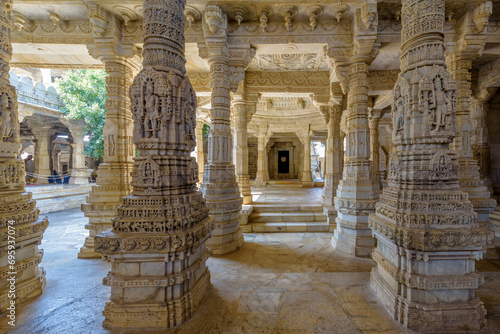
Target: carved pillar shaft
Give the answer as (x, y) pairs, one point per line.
(424, 223)
(241, 148)
(113, 175)
(21, 230)
(78, 172)
(157, 244)
(200, 156)
(357, 191)
(480, 146)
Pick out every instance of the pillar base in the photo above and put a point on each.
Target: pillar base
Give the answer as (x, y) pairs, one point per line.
(307, 184)
(78, 176)
(223, 244)
(87, 251)
(356, 242)
(438, 316)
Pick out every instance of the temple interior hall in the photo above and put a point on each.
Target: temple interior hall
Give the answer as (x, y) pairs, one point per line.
(259, 167)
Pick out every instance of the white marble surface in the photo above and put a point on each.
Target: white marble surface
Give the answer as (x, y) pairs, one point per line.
(277, 283)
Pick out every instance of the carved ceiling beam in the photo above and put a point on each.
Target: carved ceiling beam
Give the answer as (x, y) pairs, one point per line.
(107, 33)
(488, 77)
(382, 101)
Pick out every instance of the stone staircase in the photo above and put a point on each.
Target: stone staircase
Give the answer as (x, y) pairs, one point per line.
(286, 218)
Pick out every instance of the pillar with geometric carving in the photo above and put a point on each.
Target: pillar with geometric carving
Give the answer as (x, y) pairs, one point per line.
(357, 191)
(200, 155)
(470, 179)
(242, 116)
(42, 134)
(332, 114)
(20, 229)
(374, 119)
(113, 175)
(306, 177)
(219, 187)
(157, 244)
(427, 235)
(262, 175)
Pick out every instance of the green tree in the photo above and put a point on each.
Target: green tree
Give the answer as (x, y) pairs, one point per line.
(84, 96)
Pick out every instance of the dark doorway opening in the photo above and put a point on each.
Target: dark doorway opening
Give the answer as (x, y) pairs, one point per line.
(283, 162)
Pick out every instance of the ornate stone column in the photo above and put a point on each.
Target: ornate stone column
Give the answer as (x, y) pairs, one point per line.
(78, 171)
(307, 180)
(262, 167)
(219, 180)
(357, 191)
(20, 229)
(42, 134)
(157, 245)
(113, 175)
(200, 156)
(333, 155)
(242, 116)
(427, 235)
(373, 119)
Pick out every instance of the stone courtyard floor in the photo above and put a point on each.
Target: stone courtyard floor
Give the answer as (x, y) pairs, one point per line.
(276, 283)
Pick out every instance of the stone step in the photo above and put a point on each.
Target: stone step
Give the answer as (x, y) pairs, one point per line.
(495, 220)
(264, 217)
(284, 227)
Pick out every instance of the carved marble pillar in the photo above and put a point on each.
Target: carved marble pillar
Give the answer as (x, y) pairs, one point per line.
(479, 142)
(157, 245)
(241, 118)
(20, 229)
(306, 177)
(427, 234)
(374, 119)
(333, 155)
(78, 171)
(262, 166)
(468, 172)
(42, 135)
(357, 191)
(220, 187)
(200, 156)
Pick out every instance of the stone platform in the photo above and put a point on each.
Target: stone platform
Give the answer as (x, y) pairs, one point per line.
(277, 283)
(279, 209)
(57, 197)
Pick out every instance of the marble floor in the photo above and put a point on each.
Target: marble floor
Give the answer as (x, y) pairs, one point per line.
(277, 283)
(287, 196)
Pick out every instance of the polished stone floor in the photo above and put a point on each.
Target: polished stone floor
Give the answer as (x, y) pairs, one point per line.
(277, 283)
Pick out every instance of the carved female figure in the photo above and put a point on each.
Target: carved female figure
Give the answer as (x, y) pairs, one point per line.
(152, 115)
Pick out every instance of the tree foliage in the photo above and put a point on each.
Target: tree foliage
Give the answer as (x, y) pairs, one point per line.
(84, 96)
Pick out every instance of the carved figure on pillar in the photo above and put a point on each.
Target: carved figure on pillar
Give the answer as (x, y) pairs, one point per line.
(20, 220)
(161, 229)
(424, 223)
